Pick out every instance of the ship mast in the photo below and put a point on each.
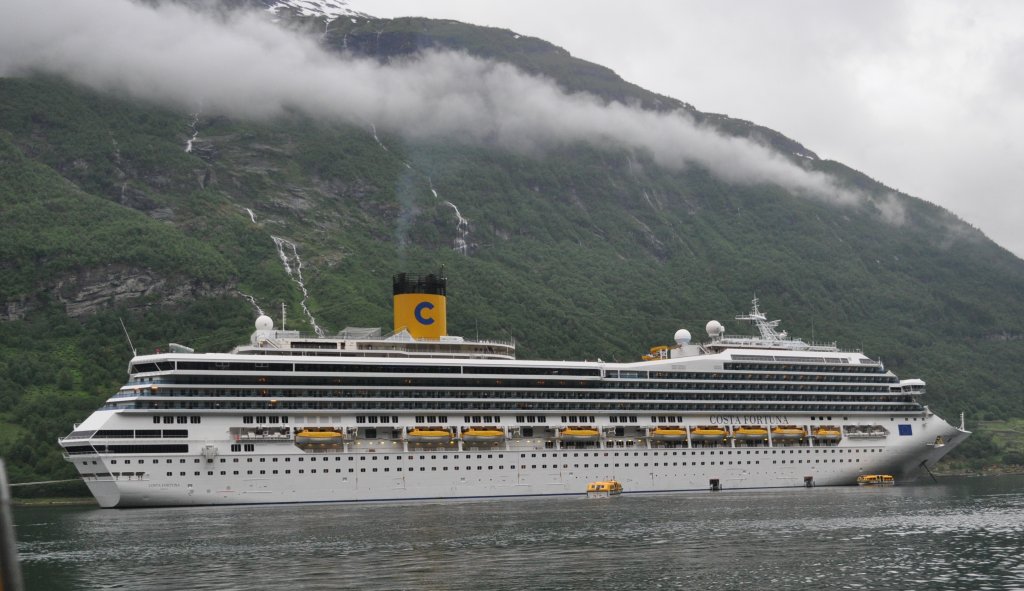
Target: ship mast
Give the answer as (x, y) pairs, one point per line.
(764, 326)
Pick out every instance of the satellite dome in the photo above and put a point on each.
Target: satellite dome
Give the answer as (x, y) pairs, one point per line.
(714, 328)
(264, 323)
(682, 337)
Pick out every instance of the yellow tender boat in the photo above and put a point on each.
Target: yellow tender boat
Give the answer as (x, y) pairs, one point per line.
(876, 480)
(428, 435)
(307, 437)
(604, 488)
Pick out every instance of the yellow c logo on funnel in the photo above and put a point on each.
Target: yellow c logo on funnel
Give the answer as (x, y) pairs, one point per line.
(423, 315)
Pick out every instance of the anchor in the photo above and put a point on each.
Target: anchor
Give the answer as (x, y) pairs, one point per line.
(924, 465)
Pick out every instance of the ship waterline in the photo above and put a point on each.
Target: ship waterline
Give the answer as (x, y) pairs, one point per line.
(363, 417)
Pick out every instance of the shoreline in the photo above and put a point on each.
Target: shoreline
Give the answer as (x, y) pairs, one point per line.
(986, 471)
(50, 501)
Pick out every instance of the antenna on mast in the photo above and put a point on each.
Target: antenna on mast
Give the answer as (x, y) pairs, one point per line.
(130, 345)
(284, 315)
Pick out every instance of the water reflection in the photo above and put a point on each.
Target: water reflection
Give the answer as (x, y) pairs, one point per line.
(959, 534)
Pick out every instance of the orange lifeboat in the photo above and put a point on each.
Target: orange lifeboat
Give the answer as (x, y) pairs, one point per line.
(704, 433)
(750, 433)
(670, 433)
(788, 433)
(828, 433)
(579, 434)
(307, 437)
(483, 434)
(428, 435)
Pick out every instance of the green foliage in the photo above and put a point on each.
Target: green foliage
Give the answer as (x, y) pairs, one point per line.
(51, 228)
(994, 441)
(577, 252)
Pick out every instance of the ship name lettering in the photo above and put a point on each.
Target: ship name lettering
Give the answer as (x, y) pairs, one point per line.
(749, 420)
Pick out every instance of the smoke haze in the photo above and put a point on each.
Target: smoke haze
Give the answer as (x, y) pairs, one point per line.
(243, 65)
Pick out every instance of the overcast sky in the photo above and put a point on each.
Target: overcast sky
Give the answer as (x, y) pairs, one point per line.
(926, 97)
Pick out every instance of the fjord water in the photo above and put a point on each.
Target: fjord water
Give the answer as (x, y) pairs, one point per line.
(959, 533)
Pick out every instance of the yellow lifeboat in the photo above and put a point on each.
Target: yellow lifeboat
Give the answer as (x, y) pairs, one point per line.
(307, 437)
(788, 433)
(483, 434)
(876, 480)
(669, 434)
(428, 435)
(750, 433)
(603, 489)
(701, 433)
(828, 433)
(579, 434)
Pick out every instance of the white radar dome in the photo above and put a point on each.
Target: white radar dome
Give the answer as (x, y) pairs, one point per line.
(714, 328)
(264, 323)
(682, 337)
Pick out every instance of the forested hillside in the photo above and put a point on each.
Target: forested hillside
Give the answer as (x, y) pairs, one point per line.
(178, 223)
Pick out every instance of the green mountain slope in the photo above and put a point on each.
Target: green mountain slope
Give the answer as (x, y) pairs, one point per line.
(584, 252)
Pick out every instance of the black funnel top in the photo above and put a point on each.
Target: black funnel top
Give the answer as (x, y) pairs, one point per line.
(414, 283)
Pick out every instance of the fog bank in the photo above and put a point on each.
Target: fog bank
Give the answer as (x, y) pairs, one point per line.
(244, 65)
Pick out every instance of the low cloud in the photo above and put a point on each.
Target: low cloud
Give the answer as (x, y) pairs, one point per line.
(243, 65)
(891, 209)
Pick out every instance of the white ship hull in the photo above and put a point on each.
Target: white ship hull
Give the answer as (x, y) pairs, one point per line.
(489, 471)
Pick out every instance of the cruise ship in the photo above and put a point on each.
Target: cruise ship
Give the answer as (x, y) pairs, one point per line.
(420, 414)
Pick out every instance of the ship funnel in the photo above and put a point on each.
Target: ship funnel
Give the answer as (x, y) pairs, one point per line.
(419, 302)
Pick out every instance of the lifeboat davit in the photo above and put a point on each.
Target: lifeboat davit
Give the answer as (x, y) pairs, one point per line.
(318, 438)
(579, 434)
(750, 434)
(428, 435)
(707, 434)
(788, 432)
(828, 433)
(669, 434)
(483, 434)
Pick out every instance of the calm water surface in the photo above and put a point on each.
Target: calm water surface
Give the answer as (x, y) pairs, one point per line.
(963, 533)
